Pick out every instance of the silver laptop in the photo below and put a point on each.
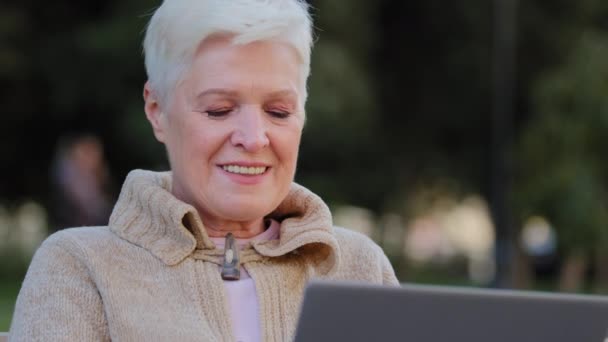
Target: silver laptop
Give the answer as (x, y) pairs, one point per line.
(351, 312)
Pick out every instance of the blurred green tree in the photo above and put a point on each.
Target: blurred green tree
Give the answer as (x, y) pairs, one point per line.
(562, 163)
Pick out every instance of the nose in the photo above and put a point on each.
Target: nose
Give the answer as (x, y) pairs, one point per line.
(250, 132)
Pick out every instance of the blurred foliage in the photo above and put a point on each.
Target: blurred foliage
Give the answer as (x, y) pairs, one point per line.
(8, 292)
(563, 168)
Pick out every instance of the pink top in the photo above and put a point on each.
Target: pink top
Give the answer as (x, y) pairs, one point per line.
(242, 297)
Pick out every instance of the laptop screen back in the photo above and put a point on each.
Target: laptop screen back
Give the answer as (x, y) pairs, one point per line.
(349, 312)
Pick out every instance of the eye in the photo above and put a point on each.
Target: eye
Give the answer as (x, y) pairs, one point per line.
(217, 113)
(278, 114)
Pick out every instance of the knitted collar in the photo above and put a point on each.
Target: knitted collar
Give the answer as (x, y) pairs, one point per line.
(148, 215)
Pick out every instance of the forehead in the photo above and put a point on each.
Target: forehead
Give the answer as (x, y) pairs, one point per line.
(268, 66)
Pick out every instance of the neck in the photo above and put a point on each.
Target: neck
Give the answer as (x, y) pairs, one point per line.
(218, 227)
(240, 230)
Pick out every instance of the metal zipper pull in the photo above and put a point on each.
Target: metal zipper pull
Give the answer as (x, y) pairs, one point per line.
(231, 269)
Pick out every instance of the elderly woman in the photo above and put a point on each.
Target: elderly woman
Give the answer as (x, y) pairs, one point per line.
(222, 247)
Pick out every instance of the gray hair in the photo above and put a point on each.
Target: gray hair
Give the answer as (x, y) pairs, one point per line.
(178, 27)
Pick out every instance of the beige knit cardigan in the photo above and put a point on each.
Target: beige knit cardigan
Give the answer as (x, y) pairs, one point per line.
(153, 275)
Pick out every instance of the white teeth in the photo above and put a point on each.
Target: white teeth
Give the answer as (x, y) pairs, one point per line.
(245, 170)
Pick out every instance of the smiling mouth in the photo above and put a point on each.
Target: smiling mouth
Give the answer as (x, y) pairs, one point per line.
(245, 170)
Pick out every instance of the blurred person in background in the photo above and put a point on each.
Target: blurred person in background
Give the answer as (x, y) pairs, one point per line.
(80, 183)
(221, 247)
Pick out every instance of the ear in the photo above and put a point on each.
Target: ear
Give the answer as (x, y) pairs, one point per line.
(154, 113)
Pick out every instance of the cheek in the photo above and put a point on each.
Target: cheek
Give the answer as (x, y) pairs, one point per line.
(199, 145)
(288, 145)
(189, 145)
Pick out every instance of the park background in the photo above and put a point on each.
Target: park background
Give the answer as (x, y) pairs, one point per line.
(466, 137)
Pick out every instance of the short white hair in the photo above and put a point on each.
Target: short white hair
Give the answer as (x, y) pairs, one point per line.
(178, 27)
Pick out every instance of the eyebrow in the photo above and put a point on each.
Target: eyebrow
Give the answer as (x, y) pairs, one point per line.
(232, 93)
(217, 91)
(283, 93)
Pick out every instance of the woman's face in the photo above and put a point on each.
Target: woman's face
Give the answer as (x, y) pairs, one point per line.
(232, 129)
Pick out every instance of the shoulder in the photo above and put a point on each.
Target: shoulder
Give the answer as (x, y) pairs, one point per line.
(79, 240)
(81, 234)
(351, 242)
(361, 259)
(61, 262)
(75, 245)
(60, 286)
